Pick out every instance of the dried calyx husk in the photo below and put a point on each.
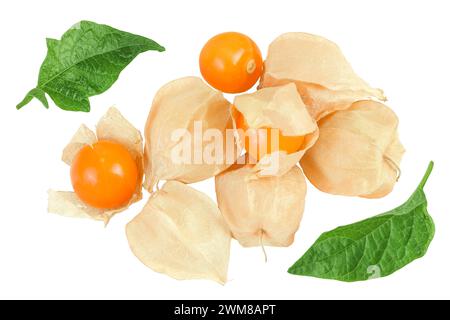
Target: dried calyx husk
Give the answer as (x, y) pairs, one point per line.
(324, 78)
(358, 152)
(113, 127)
(278, 108)
(180, 106)
(261, 211)
(181, 232)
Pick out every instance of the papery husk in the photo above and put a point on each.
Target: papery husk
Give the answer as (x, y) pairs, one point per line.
(324, 78)
(83, 136)
(358, 152)
(176, 106)
(67, 204)
(280, 108)
(113, 127)
(261, 211)
(181, 232)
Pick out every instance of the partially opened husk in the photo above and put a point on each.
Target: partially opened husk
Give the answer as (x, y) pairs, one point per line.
(261, 211)
(324, 78)
(177, 106)
(358, 152)
(181, 232)
(113, 127)
(279, 108)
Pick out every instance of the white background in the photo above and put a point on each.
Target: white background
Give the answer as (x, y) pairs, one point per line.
(400, 46)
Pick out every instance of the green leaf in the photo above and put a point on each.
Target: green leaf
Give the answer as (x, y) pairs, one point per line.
(34, 93)
(373, 248)
(86, 62)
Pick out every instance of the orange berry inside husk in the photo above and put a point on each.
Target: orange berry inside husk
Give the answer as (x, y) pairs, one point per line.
(262, 141)
(104, 175)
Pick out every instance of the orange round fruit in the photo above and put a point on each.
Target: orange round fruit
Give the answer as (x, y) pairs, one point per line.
(104, 175)
(258, 142)
(231, 62)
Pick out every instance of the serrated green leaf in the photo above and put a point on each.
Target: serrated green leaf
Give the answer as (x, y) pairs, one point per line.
(376, 247)
(87, 61)
(33, 93)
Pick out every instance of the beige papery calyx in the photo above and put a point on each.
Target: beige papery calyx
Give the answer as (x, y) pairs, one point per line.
(181, 232)
(261, 211)
(278, 108)
(358, 152)
(178, 107)
(113, 127)
(322, 75)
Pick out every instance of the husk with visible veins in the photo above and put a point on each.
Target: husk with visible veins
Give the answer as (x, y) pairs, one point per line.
(279, 108)
(181, 232)
(358, 152)
(322, 75)
(176, 106)
(114, 127)
(261, 211)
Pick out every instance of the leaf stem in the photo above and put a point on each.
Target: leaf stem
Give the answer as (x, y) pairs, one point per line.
(426, 176)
